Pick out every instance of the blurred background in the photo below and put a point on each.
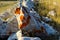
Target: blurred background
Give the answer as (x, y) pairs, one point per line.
(51, 9)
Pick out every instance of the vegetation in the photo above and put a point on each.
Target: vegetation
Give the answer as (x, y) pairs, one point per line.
(44, 6)
(8, 0)
(6, 5)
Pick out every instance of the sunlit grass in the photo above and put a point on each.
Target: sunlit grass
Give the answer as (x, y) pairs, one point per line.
(50, 5)
(6, 5)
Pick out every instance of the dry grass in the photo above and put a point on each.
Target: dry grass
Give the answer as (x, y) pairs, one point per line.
(53, 4)
(4, 5)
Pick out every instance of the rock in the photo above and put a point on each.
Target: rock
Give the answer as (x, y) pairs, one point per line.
(18, 36)
(28, 20)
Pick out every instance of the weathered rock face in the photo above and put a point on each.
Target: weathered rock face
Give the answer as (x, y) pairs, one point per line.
(18, 35)
(8, 25)
(27, 19)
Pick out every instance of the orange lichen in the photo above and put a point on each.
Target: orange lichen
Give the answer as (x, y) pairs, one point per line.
(22, 18)
(17, 11)
(25, 23)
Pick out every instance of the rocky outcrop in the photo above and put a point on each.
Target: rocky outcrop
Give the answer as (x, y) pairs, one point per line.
(31, 23)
